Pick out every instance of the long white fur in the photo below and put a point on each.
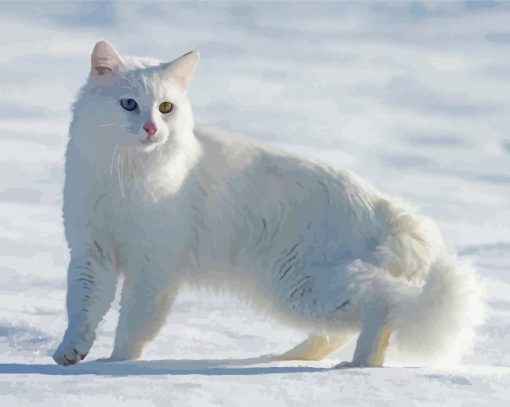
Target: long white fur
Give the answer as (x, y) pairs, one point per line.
(316, 247)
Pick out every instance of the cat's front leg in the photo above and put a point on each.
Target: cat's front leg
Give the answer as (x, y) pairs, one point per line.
(91, 289)
(145, 302)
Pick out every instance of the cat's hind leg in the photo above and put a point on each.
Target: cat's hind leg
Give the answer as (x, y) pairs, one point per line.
(317, 347)
(372, 342)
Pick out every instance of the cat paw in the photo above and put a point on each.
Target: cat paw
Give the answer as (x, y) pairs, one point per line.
(67, 355)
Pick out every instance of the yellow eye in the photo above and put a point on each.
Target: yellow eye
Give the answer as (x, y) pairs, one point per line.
(166, 107)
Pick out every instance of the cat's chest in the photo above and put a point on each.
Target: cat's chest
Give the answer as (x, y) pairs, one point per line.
(137, 211)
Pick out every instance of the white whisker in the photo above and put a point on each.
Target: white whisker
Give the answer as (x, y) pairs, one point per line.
(122, 169)
(131, 172)
(120, 176)
(113, 158)
(118, 171)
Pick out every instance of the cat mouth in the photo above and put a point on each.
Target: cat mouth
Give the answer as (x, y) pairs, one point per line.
(147, 141)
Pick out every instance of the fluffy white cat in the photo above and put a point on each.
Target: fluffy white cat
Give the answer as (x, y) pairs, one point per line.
(149, 196)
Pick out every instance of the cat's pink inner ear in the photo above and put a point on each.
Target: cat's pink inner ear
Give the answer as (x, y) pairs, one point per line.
(105, 59)
(182, 68)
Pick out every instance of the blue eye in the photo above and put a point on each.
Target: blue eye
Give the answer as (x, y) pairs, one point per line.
(128, 104)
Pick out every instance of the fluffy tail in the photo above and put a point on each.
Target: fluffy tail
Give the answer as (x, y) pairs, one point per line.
(438, 324)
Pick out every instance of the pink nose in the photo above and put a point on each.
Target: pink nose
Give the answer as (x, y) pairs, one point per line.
(150, 128)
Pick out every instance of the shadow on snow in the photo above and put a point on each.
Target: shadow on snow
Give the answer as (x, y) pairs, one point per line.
(223, 367)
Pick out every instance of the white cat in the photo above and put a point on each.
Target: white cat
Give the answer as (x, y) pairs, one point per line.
(149, 196)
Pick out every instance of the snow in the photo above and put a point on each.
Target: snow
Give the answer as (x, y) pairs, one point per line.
(412, 96)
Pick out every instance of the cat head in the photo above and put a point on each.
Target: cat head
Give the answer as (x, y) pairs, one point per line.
(135, 102)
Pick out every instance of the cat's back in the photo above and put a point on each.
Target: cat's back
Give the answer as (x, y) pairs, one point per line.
(229, 155)
(249, 175)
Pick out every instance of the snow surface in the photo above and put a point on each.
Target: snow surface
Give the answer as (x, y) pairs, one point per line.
(413, 96)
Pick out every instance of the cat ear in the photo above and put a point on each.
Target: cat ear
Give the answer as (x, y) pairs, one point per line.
(104, 60)
(182, 68)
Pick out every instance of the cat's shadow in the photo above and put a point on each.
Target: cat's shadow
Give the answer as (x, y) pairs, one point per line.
(218, 367)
